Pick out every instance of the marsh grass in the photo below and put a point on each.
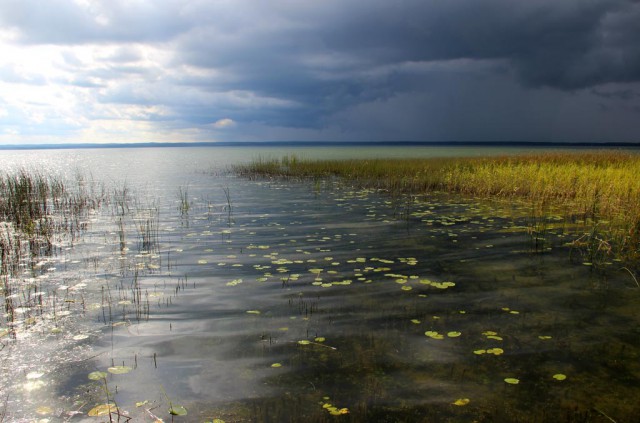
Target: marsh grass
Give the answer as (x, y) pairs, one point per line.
(38, 215)
(596, 192)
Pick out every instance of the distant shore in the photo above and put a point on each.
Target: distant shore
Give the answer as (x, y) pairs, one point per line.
(531, 144)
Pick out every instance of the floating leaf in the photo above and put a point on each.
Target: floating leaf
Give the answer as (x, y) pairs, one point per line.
(495, 351)
(512, 380)
(415, 321)
(320, 339)
(119, 370)
(480, 352)
(141, 403)
(461, 401)
(97, 375)
(304, 342)
(102, 410)
(559, 376)
(433, 334)
(454, 334)
(253, 311)
(177, 410)
(275, 365)
(43, 410)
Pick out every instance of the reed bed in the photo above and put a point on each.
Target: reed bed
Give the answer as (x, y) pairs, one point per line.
(35, 210)
(37, 213)
(599, 188)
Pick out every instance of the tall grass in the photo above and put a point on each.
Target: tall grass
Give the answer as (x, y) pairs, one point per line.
(599, 188)
(35, 209)
(36, 212)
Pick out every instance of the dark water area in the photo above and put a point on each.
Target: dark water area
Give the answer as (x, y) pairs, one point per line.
(299, 301)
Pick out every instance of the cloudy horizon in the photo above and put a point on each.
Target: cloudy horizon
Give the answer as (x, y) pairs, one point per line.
(414, 70)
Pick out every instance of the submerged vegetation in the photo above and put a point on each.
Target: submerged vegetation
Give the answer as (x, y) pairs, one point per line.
(598, 191)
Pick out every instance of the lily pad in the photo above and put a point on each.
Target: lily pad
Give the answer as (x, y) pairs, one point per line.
(512, 380)
(119, 370)
(433, 334)
(44, 410)
(102, 410)
(97, 375)
(559, 376)
(177, 410)
(461, 401)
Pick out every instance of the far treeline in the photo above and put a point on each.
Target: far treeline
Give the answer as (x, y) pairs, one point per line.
(599, 189)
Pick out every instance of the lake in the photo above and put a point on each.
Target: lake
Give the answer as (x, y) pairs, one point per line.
(190, 294)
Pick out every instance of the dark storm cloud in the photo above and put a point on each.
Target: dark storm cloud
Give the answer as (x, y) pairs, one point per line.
(566, 44)
(336, 55)
(329, 65)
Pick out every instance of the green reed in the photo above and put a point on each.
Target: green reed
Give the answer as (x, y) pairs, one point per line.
(36, 213)
(592, 187)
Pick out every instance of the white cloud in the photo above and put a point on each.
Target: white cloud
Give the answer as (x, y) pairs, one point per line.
(224, 123)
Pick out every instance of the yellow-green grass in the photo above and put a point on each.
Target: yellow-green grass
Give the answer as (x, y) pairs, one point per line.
(601, 187)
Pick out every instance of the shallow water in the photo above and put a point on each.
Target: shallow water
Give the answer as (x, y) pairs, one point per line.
(297, 300)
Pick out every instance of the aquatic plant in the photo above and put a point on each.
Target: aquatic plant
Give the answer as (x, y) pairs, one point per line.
(37, 215)
(585, 188)
(183, 198)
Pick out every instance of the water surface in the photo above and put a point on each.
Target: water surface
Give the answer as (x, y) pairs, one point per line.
(281, 301)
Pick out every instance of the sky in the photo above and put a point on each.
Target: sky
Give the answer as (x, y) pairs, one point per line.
(293, 70)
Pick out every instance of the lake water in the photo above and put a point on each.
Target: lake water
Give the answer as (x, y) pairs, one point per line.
(274, 301)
